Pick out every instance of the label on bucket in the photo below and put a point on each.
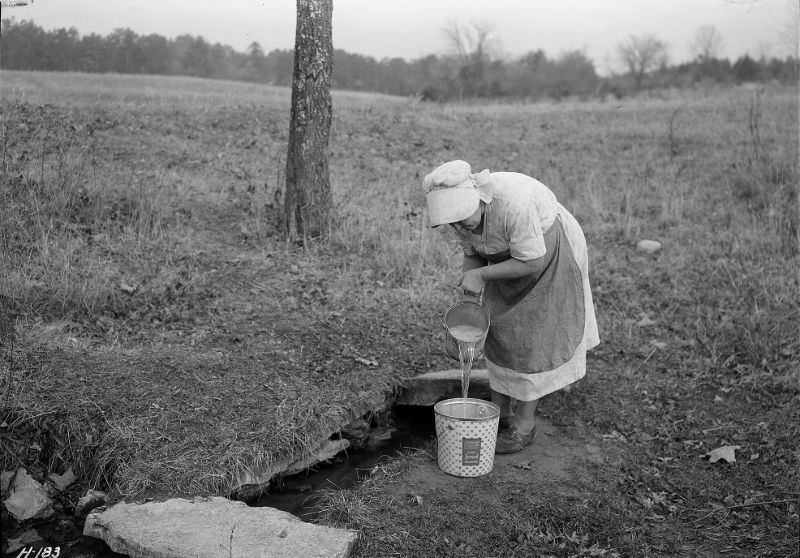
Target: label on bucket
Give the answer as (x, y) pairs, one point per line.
(470, 451)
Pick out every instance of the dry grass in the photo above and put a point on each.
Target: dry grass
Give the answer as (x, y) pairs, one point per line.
(155, 421)
(398, 517)
(235, 350)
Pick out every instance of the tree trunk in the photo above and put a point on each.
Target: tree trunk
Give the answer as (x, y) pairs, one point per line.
(307, 202)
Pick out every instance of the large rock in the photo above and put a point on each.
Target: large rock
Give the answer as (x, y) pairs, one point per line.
(28, 499)
(432, 387)
(212, 528)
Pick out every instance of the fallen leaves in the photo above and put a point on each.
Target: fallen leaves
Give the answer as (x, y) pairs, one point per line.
(615, 435)
(366, 361)
(645, 321)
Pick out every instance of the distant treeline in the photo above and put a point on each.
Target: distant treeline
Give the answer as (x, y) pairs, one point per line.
(26, 46)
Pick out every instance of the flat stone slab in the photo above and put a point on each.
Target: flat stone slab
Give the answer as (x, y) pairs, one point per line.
(429, 388)
(211, 528)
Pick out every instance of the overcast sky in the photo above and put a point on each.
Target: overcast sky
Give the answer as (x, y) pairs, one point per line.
(413, 28)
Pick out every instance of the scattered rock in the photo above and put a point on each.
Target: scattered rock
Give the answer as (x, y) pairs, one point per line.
(357, 433)
(724, 453)
(28, 499)
(648, 246)
(61, 482)
(432, 387)
(379, 437)
(211, 528)
(91, 500)
(250, 492)
(125, 288)
(359, 427)
(27, 537)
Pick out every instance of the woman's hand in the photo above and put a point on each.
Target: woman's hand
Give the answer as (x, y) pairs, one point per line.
(472, 281)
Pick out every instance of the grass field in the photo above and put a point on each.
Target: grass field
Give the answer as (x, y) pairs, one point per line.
(167, 342)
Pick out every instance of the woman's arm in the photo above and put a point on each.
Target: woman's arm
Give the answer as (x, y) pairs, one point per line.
(475, 278)
(513, 268)
(472, 262)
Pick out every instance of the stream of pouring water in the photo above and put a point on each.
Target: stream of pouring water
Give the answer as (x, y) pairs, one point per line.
(468, 338)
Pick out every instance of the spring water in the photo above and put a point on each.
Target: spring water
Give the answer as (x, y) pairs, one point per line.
(468, 338)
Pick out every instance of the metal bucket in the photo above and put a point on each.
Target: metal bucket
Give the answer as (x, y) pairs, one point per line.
(465, 313)
(466, 433)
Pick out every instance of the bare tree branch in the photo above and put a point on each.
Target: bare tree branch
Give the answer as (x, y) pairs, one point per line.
(641, 54)
(707, 43)
(474, 48)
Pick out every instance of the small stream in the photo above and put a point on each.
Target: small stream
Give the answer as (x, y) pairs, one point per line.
(404, 428)
(410, 427)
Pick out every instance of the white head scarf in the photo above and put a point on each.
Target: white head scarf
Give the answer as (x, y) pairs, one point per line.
(451, 192)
